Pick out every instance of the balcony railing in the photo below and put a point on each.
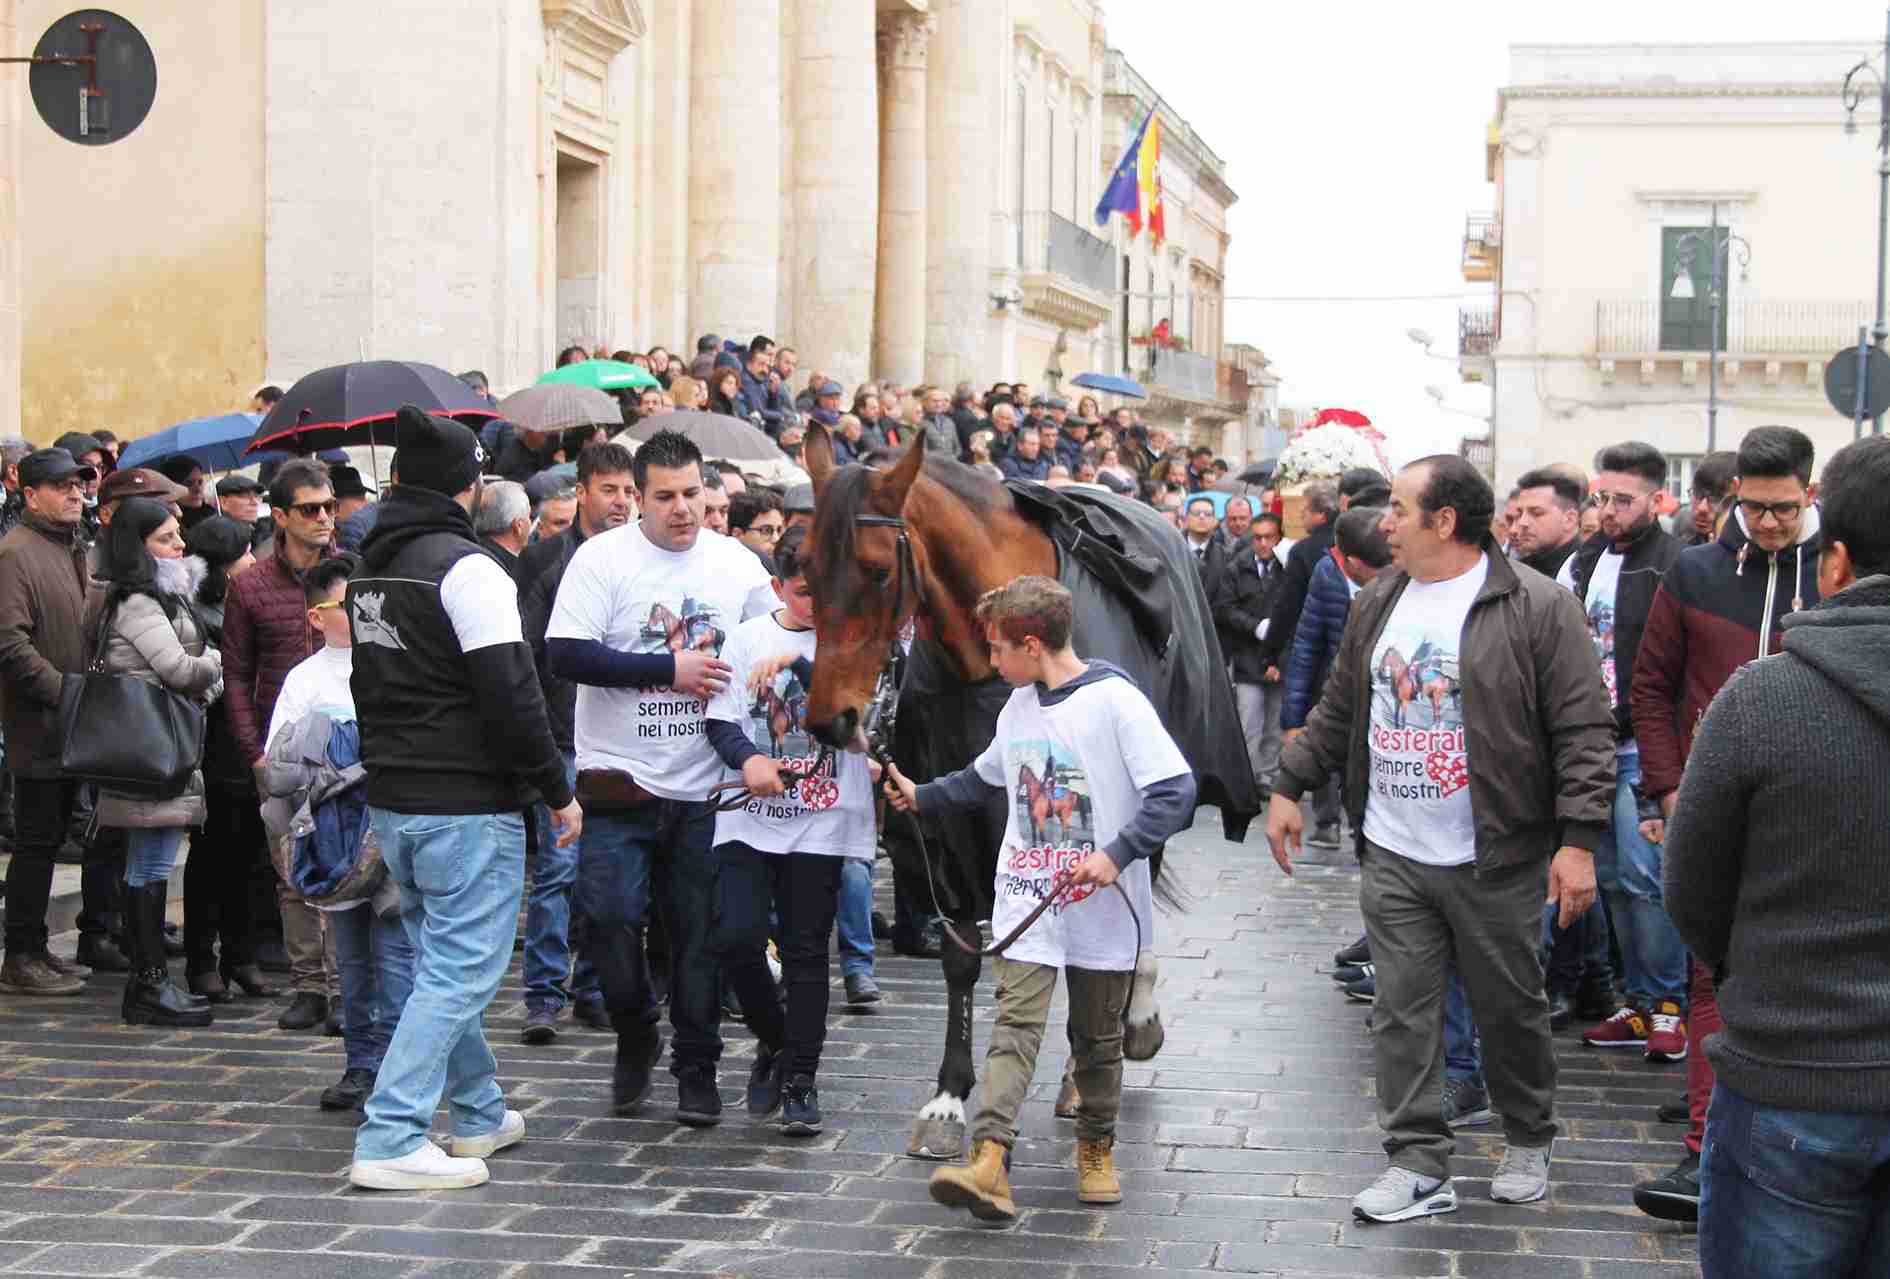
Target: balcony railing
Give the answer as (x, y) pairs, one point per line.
(1482, 239)
(1476, 331)
(1185, 373)
(1753, 326)
(1058, 246)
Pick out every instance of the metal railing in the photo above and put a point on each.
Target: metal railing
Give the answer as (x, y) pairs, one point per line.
(1482, 237)
(1476, 331)
(1185, 373)
(1753, 326)
(1058, 246)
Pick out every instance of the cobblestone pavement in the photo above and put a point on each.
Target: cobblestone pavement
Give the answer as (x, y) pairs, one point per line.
(203, 1153)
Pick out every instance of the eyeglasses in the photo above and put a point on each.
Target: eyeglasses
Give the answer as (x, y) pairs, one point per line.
(766, 530)
(1783, 512)
(314, 510)
(1619, 501)
(316, 608)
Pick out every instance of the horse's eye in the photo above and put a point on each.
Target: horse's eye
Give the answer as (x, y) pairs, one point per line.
(882, 576)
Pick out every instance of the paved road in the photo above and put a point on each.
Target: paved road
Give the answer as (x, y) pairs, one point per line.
(196, 1154)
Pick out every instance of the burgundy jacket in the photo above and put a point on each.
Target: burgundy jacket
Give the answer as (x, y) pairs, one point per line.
(265, 633)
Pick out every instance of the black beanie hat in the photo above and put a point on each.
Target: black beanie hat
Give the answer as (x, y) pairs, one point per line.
(218, 540)
(435, 453)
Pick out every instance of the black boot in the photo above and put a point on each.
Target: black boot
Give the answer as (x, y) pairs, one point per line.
(150, 998)
(98, 952)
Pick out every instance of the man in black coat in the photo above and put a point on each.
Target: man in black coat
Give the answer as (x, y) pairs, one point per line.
(1547, 528)
(1243, 596)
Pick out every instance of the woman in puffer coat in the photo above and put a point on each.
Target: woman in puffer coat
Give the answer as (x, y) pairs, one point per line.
(152, 631)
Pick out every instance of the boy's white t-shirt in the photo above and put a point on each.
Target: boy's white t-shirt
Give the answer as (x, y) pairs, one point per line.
(319, 682)
(1417, 799)
(625, 592)
(830, 810)
(1074, 772)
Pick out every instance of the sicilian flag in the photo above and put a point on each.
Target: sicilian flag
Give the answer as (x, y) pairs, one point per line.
(1135, 188)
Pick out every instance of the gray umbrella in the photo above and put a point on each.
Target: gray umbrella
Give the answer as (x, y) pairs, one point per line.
(716, 434)
(553, 406)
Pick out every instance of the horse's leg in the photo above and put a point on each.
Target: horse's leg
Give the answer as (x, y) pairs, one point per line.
(939, 1130)
(1142, 1033)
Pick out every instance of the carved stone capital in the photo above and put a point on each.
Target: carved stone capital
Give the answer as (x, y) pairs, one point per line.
(903, 39)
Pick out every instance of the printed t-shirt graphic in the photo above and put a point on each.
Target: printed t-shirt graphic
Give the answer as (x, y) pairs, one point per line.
(1417, 801)
(625, 592)
(1074, 771)
(831, 808)
(1602, 589)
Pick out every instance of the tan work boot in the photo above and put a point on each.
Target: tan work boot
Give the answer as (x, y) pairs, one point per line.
(1068, 1099)
(983, 1186)
(25, 974)
(1096, 1180)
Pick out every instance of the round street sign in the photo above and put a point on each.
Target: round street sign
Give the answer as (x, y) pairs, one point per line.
(1840, 382)
(94, 103)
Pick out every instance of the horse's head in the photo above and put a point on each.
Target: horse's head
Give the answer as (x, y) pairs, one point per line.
(865, 570)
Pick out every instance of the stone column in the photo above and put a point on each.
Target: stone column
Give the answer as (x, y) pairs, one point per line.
(734, 167)
(835, 184)
(961, 173)
(899, 328)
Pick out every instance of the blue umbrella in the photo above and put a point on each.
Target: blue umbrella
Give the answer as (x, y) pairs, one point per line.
(1110, 384)
(216, 443)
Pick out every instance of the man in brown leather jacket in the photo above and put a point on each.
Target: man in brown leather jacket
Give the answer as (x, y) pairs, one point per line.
(1467, 711)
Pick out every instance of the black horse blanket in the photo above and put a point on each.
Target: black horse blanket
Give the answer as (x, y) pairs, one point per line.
(1140, 604)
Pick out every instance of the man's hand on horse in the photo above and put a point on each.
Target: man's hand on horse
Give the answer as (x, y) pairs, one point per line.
(1571, 884)
(1285, 825)
(900, 792)
(700, 674)
(762, 776)
(1098, 868)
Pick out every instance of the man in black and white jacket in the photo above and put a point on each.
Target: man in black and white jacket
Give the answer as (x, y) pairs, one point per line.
(457, 745)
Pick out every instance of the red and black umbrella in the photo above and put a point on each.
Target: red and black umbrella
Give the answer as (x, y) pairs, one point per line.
(356, 403)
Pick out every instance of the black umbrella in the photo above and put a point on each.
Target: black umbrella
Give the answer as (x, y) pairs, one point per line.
(356, 403)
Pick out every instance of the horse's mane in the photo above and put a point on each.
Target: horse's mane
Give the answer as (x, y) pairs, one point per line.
(843, 500)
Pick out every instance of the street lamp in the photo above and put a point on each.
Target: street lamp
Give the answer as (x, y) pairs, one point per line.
(1437, 393)
(1854, 90)
(1423, 338)
(1685, 249)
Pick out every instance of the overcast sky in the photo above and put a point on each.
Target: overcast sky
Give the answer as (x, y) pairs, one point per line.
(1353, 134)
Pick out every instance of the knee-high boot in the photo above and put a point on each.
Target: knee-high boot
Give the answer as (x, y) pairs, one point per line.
(151, 999)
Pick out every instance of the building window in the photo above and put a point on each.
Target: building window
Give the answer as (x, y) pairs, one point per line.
(1023, 119)
(1686, 323)
(1077, 162)
(1680, 468)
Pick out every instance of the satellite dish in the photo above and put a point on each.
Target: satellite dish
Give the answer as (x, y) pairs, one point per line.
(93, 77)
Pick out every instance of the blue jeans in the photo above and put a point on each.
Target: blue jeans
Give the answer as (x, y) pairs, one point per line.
(548, 944)
(1793, 1194)
(1463, 1055)
(1576, 958)
(375, 961)
(855, 917)
(615, 856)
(1628, 870)
(151, 853)
(461, 879)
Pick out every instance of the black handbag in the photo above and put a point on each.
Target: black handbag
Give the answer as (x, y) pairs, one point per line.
(128, 734)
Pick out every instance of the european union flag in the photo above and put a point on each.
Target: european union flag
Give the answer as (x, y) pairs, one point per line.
(1124, 193)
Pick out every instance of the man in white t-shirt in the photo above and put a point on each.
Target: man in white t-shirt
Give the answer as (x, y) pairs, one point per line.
(640, 620)
(1096, 786)
(1465, 707)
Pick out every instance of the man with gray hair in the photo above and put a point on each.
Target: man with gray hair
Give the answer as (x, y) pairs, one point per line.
(503, 522)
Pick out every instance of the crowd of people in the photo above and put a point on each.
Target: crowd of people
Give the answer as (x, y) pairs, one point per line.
(596, 671)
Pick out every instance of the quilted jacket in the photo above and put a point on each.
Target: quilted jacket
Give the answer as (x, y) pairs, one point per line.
(265, 633)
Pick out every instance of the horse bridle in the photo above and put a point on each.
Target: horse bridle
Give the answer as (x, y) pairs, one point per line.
(880, 718)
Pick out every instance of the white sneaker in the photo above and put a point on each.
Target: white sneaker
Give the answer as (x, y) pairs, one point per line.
(1523, 1176)
(510, 1132)
(426, 1167)
(1400, 1194)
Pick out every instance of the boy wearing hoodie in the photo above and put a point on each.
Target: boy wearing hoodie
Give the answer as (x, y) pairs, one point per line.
(1096, 786)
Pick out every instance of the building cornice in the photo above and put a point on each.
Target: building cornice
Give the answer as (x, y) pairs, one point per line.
(1519, 92)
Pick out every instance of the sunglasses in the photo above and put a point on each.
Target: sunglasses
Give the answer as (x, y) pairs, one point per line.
(316, 608)
(314, 510)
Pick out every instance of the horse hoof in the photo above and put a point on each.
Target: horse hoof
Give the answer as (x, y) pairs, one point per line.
(942, 1140)
(1142, 1040)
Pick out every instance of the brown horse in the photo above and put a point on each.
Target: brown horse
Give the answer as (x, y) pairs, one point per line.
(1411, 680)
(675, 632)
(1043, 801)
(965, 536)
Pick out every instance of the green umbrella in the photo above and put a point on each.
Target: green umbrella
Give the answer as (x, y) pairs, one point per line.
(603, 375)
